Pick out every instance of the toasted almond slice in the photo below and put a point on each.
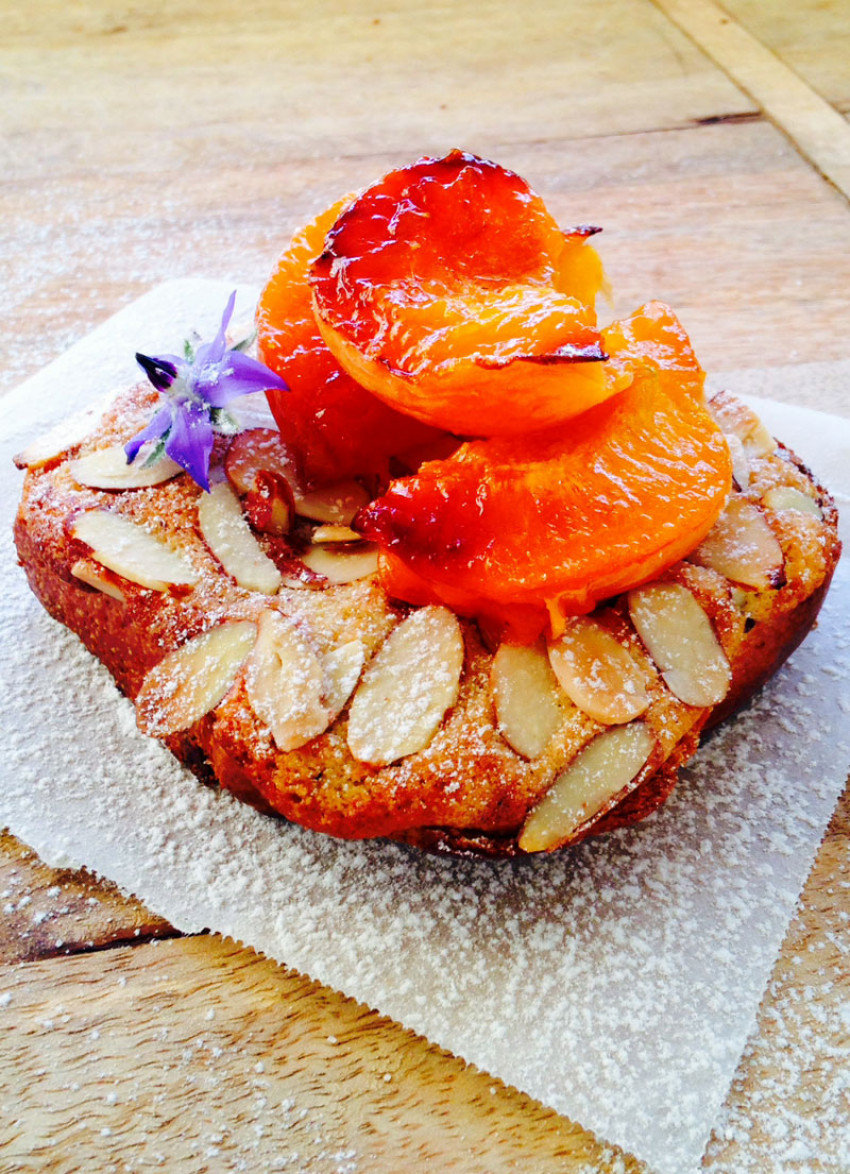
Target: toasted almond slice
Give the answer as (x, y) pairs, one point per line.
(680, 639)
(254, 451)
(525, 694)
(742, 547)
(597, 673)
(342, 667)
(285, 682)
(63, 436)
(132, 551)
(193, 679)
(407, 688)
(603, 769)
(333, 533)
(107, 468)
(93, 576)
(758, 442)
(738, 419)
(269, 504)
(229, 537)
(740, 461)
(336, 504)
(786, 497)
(342, 565)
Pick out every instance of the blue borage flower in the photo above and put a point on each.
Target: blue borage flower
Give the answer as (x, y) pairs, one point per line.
(197, 389)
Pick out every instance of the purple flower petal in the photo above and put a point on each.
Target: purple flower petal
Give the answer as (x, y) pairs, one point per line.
(240, 375)
(190, 442)
(213, 352)
(195, 392)
(204, 373)
(160, 371)
(158, 427)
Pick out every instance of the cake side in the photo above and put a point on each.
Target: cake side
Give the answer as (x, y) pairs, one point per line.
(465, 780)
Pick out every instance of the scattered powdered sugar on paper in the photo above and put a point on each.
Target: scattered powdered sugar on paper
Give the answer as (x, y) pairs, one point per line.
(617, 982)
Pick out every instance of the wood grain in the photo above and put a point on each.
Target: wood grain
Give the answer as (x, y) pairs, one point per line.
(342, 77)
(202, 1055)
(48, 911)
(725, 222)
(813, 125)
(810, 36)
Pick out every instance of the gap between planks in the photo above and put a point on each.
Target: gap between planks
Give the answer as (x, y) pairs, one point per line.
(817, 130)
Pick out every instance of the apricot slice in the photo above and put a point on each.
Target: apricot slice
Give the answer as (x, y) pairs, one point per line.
(449, 291)
(653, 339)
(531, 529)
(334, 426)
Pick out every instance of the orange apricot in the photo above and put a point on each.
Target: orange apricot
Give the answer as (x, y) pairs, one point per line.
(448, 290)
(334, 426)
(529, 529)
(652, 339)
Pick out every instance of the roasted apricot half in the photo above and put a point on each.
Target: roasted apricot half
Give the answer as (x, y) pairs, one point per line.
(449, 291)
(526, 530)
(333, 425)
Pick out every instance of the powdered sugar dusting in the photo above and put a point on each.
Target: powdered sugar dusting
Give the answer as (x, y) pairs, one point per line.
(617, 982)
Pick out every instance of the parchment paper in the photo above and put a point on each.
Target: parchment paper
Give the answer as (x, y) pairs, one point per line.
(616, 982)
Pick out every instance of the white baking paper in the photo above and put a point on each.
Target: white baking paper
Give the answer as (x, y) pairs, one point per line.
(616, 982)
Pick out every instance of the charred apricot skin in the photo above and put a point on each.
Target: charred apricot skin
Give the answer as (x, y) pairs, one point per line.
(529, 529)
(337, 428)
(449, 291)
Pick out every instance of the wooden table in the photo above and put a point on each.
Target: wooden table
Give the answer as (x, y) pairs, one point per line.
(143, 142)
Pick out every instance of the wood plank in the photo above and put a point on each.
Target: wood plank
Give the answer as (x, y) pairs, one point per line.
(815, 127)
(48, 911)
(197, 1052)
(725, 222)
(340, 78)
(810, 36)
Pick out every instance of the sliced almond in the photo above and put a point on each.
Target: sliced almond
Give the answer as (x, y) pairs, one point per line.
(341, 565)
(229, 537)
(332, 534)
(758, 441)
(742, 547)
(256, 450)
(680, 639)
(786, 497)
(107, 468)
(342, 667)
(63, 436)
(97, 577)
(525, 694)
(285, 682)
(193, 679)
(740, 461)
(738, 419)
(407, 688)
(336, 504)
(603, 769)
(597, 673)
(132, 551)
(270, 504)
